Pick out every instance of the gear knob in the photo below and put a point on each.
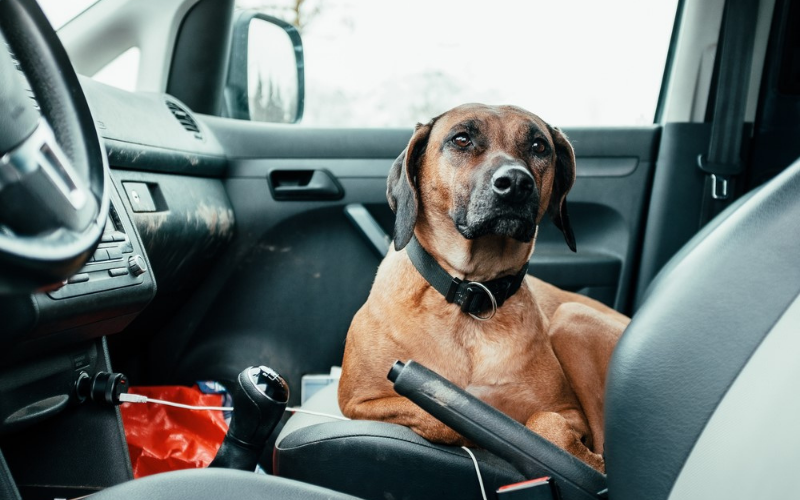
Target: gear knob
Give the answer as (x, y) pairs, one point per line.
(259, 400)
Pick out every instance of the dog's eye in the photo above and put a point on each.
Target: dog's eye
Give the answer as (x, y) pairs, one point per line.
(538, 146)
(462, 140)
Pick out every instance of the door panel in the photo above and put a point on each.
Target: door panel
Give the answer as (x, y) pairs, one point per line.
(302, 268)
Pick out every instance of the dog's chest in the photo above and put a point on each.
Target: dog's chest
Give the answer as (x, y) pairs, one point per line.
(513, 367)
(499, 359)
(501, 351)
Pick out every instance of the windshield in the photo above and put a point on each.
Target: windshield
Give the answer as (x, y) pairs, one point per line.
(60, 12)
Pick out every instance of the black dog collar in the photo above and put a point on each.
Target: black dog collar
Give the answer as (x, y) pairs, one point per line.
(474, 297)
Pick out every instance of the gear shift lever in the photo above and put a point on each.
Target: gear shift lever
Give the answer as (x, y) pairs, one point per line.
(259, 400)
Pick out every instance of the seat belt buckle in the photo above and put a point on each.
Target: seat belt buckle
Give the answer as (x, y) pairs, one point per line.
(719, 183)
(543, 488)
(719, 187)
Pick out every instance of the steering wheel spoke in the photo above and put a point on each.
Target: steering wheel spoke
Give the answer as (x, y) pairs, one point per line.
(39, 189)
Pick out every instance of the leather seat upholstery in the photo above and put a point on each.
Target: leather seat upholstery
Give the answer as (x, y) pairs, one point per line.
(684, 355)
(703, 319)
(378, 459)
(216, 484)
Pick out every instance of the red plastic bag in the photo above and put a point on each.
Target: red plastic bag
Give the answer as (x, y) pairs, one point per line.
(163, 438)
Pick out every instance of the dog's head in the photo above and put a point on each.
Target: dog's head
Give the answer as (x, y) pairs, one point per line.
(490, 170)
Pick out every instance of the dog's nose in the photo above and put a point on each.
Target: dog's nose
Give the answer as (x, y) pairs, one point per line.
(512, 183)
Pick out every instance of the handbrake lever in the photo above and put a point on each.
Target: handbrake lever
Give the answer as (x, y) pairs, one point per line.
(529, 453)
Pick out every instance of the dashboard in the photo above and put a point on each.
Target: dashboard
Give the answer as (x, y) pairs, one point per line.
(163, 229)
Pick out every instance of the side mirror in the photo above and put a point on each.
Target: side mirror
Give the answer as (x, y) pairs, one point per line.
(266, 77)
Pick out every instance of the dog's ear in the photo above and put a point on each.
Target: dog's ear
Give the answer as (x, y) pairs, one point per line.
(401, 185)
(564, 179)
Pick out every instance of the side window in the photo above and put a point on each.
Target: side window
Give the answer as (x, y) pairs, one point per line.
(392, 64)
(122, 71)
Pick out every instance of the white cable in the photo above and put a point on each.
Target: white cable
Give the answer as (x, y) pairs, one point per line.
(317, 413)
(139, 398)
(477, 471)
(132, 398)
(189, 407)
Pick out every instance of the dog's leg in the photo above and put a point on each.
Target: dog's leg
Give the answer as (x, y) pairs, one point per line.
(558, 430)
(583, 341)
(399, 410)
(550, 298)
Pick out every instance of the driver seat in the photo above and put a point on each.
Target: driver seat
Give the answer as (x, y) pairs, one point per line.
(701, 394)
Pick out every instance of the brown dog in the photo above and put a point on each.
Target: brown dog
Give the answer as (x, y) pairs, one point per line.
(469, 191)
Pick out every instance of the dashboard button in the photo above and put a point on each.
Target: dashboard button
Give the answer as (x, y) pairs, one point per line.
(100, 255)
(106, 238)
(118, 271)
(79, 278)
(114, 253)
(118, 236)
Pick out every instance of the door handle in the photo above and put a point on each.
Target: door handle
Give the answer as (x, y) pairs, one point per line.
(304, 185)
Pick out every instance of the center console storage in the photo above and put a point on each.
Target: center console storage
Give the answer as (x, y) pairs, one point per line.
(80, 451)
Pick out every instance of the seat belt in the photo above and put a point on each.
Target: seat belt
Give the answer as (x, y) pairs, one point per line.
(723, 163)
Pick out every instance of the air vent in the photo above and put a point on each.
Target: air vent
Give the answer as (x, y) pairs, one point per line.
(186, 119)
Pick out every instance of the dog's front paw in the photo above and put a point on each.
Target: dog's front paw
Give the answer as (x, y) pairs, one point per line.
(436, 432)
(595, 461)
(556, 429)
(401, 411)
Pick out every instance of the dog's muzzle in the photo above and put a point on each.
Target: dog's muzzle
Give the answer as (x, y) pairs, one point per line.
(512, 183)
(504, 201)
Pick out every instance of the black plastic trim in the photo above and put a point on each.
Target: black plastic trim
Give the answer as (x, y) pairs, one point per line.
(8, 489)
(243, 140)
(130, 156)
(200, 58)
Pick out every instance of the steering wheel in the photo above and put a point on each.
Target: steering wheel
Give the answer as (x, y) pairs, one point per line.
(53, 168)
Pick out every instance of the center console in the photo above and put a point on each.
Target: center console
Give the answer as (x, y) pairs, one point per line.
(113, 265)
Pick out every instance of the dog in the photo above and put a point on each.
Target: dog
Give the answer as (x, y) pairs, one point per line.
(469, 192)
